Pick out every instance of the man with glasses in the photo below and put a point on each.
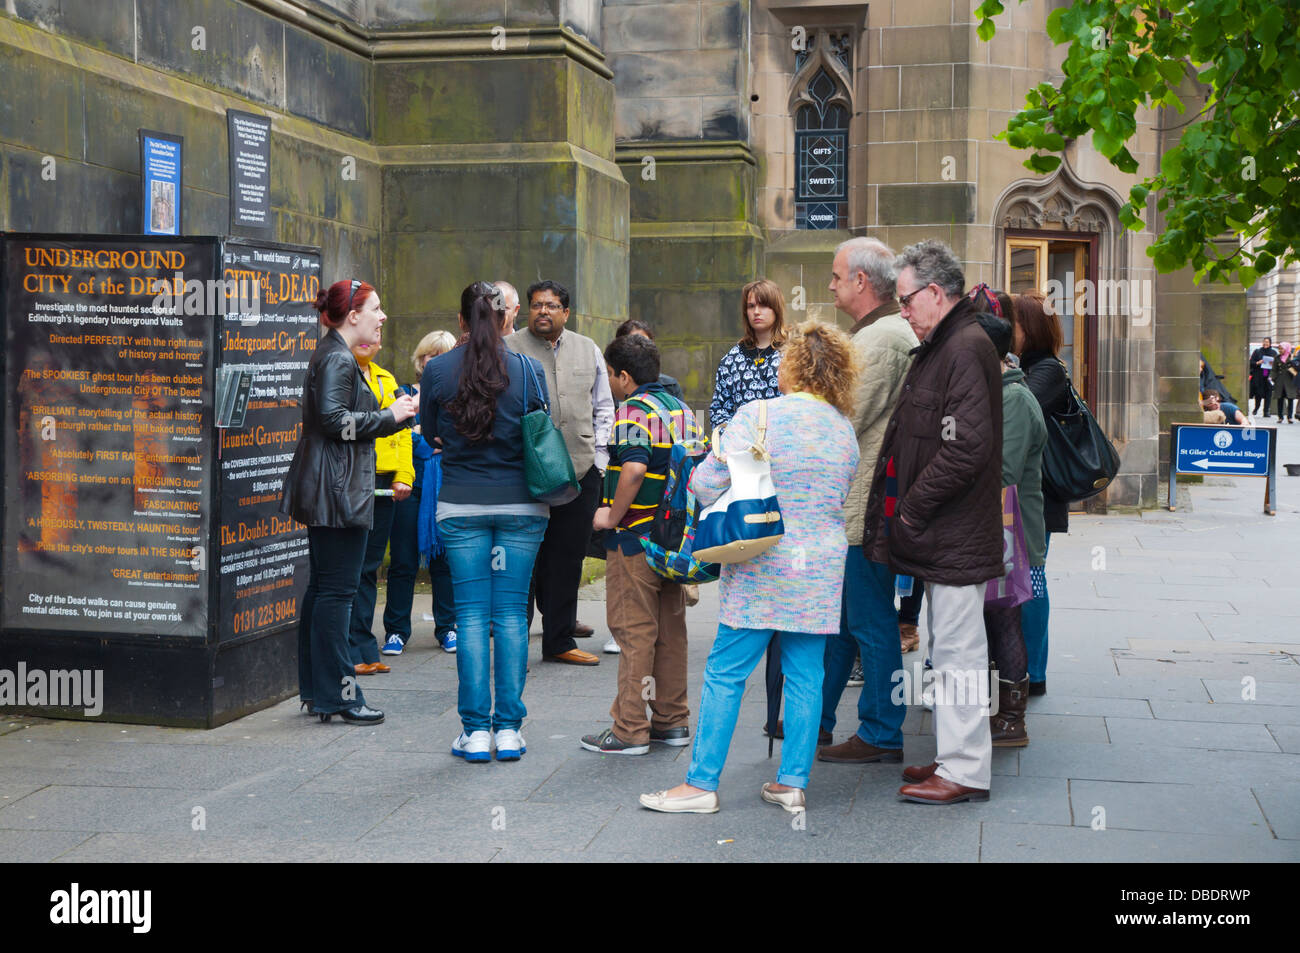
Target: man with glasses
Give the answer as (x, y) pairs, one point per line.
(935, 510)
(583, 410)
(862, 282)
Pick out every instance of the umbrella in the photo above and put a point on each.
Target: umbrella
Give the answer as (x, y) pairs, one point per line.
(775, 680)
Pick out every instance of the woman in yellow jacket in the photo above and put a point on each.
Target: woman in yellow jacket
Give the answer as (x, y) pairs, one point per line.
(394, 476)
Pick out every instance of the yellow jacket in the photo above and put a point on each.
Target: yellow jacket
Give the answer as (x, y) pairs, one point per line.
(392, 454)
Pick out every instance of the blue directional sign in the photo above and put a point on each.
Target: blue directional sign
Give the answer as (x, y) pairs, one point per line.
(1229, 451)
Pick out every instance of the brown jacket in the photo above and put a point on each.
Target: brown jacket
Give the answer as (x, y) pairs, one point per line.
(946, 440)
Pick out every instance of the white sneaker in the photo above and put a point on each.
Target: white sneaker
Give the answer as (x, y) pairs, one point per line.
(510, 745)
(476, 746)
(611, 648)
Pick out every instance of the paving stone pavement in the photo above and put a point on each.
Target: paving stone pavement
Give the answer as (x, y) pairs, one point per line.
(1171, 731)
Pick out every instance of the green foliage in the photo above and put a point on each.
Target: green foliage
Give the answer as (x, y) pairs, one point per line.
(1236, 167)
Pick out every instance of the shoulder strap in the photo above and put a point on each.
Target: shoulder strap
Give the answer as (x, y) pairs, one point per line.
(664, 414)
(762, 423)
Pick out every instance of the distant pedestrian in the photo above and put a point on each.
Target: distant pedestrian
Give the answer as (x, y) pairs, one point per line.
(405, 553)
(330, 487)
(748, 371)
(935, 511)
(472, 399)
(1285, 371)
(1261, 376)
(792, 590)
(510, 300)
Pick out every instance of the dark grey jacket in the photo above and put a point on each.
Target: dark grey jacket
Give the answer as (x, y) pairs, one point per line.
(331, 481)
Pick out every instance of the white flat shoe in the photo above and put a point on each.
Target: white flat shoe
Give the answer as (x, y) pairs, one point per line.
(705, 803)
(793, 800)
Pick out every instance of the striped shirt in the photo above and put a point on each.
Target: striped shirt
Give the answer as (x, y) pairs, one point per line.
(641, 436)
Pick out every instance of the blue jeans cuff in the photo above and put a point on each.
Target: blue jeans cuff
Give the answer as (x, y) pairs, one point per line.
(792, 781)
(701, 783)
(893, 743)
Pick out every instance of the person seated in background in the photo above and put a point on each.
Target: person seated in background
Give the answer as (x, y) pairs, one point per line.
(1210, 403)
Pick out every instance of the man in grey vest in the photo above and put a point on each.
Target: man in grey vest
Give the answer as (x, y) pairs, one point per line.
(583, 410)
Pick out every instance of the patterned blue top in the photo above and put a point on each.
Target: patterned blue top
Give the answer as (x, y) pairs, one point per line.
(744, 374)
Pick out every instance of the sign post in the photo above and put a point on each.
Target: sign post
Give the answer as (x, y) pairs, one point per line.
(1217, 449)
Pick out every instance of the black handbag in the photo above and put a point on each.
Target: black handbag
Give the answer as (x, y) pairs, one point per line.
(1079, 460)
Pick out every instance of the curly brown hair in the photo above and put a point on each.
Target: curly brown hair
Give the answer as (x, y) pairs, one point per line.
(818, 358)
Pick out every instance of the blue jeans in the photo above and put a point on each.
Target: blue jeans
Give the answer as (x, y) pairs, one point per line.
(491, 559)
(735, 654)
(1033, 622)
(404, 568)
(325, 674)
(869, 627)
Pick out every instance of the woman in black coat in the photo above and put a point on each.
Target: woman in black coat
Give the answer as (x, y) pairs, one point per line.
(1037, 339)
(330, 487)
(1262, 371)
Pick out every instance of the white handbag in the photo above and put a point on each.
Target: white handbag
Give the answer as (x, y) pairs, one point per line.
(746, 520)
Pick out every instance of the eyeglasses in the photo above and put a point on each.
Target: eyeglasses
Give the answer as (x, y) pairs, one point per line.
(906, 300)
(554, 306)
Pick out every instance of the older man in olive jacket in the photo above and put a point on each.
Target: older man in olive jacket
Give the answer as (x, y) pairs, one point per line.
(862, 280)
(935, 510)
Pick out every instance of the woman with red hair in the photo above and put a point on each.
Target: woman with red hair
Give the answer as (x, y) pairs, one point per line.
(330, 487)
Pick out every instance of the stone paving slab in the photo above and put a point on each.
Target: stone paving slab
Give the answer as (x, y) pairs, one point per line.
(1028, 843)
(1191, 808)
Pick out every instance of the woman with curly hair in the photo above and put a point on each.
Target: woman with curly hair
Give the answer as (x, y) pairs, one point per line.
(791, 590)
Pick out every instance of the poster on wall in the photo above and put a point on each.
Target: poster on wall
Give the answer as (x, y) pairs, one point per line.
(161, 168)
(249, 137)
(266, 345)
(108, 456)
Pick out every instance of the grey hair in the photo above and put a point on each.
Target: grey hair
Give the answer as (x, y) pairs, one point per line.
(874, 259)
(934, 263)
(508, 292)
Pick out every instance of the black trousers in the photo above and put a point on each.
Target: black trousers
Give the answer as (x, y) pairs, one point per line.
(325, 674)
(558, 569)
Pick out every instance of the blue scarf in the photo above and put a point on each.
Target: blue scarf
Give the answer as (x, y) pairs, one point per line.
(429, 542)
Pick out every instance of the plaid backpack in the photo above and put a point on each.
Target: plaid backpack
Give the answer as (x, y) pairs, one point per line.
(671, 534)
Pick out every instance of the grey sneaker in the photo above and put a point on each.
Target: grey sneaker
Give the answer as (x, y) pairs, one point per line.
(606, 743)
(855, 674)
(677, 737)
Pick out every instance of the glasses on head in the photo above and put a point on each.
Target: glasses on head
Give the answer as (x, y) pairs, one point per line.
(552, 306)
(906, 300)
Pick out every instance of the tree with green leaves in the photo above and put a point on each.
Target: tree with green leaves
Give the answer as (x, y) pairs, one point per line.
(1236, 167)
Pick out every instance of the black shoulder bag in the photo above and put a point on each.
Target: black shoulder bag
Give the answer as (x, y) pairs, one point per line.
(1079, 460)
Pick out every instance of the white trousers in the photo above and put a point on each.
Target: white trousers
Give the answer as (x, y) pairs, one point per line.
(960, 655)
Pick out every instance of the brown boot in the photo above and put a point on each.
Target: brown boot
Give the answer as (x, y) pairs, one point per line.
(908, 637)
(1008, 725)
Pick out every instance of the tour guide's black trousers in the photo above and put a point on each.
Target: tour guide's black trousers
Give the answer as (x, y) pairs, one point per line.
(558, 569)
(325, 674)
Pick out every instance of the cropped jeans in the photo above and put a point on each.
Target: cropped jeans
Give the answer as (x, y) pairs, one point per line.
(491, 559)
(1033, 622)
(735, 655)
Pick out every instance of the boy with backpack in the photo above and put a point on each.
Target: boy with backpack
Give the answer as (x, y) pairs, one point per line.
(645, 611)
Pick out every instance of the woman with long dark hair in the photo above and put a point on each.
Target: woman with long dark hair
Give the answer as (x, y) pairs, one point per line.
(1036, 339)
(330, 487)
(472, 400)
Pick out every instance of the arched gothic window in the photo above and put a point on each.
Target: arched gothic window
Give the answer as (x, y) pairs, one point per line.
(821, 136)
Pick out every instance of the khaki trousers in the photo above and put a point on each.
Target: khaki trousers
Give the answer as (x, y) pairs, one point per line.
(646, 615)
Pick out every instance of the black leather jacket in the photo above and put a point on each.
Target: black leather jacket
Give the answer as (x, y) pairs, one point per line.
(331, 481)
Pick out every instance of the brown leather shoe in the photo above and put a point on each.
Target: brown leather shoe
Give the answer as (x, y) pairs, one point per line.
(937, 789)
(823, 737)
(371, 668)
(908, 636)
(916, 773)
(574, 657)
(857, 751)
(583, 631)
